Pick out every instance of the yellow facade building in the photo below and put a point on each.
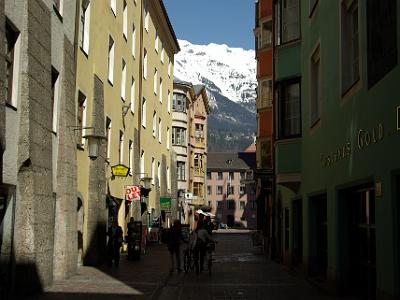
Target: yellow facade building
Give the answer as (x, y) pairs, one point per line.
(124, 89)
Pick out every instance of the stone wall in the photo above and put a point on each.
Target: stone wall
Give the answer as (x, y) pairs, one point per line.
(65, 239)
(34, 221)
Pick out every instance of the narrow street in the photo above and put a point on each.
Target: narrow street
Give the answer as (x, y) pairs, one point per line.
(239, 272)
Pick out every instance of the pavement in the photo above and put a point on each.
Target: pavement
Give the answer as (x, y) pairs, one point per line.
(240, 271)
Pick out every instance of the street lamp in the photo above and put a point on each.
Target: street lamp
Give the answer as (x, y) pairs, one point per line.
(94, 141)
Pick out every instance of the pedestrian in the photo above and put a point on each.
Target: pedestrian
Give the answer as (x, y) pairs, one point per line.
(114, 243)
(175, 237)
(202, 237)
(208, 225)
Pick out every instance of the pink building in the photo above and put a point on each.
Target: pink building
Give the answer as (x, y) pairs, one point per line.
(231, 189)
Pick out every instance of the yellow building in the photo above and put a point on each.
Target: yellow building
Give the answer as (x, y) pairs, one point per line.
(124, 89)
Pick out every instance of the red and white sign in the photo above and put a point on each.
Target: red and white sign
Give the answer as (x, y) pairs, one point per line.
(132, 192)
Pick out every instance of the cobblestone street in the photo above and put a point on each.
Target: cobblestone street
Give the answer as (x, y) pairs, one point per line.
(239, 272)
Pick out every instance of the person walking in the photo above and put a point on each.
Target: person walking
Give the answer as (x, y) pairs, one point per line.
(131, 238)
(114, 243)
(175, 237)
(202, 237)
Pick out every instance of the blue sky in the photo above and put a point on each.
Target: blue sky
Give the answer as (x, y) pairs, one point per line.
(228, 22)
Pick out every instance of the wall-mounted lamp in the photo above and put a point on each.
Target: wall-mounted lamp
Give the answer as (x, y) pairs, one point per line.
(94, 141)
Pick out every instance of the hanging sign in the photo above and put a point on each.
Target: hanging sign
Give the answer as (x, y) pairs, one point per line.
(132, 192)
(165, 203)
(119, 170)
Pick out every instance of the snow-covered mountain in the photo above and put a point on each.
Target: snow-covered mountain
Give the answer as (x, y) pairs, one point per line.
(230, 72)
(229, 75)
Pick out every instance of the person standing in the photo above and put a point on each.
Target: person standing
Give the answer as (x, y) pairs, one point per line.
(175, 237)
(114, 243)
(201, 240)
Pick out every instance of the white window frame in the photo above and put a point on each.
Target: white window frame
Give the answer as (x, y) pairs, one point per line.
(156, 40)
(123, 81)
(154, 124)
(125, 20)
(162, 54)
(161, 88)
(133, 94)
(168, 179)
(169, 102)
(108, 130)
(144, 112)
(159, 130)
(146, 17)
(113, 5)
(169, 68)
(121, 146)
(84, 119)
(153, 169)
(168, 138)
(130, 164)
(133, 41)
(85, 26)
(142, 157)
(155, 81)
(111, 59)
(159, 173)
(145, 63)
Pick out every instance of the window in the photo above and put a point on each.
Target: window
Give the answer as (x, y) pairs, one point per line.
(169, 101)
(231, 176)
(144, 109)
(169, 68)
(146, 16)
(315, 98)
(161, 87)
(133, 94)
(179, 102)
(242, 205)
(12, 64)
(113, 4)
(313, 4)
(242, 189)
(266, 93)
(59, 5)
(130, 157)
(121, 147)
(220, 204)
(168, 179)
(145, 64)
(209, 175)
(242, 175)
(198, 164)
(159, 173)
(82, 117)
(350, 44)
(231, 204)
(55, 87)
(162, 54)
(108, 134)
(289, 110)
(159, 130)
(198, 189)
(180, 170)
(111, 51)
(155, 81)
(382, 39)
(287, 20)
(266, 37)
(85, 26)
(123, 81)
(154, 124)
(199, 133)
(168, 138)
(142, 162)
(125, 21)
(219, 176)
(153, 170)
(266, 154)
(133, 41)
(209, 189)
(156, 39)
(178, 136)
(230, 189)
(219, 190)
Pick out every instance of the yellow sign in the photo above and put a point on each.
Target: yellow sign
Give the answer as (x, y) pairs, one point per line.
(119, 170)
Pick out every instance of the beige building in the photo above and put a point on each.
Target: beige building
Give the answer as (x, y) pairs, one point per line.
(189, 139)
(124, 91)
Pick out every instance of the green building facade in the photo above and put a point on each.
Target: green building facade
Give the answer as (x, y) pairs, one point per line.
(337, 143)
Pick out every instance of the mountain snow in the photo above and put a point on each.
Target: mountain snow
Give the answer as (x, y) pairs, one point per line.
(230, 72)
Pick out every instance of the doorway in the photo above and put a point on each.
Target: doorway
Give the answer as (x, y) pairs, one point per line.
(297, 232)
(319, 235)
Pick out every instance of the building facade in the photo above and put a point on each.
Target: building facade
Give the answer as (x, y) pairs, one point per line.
(263, 32)
(338, 197)
(231, 190)
(38, 166)
(189, 139)
(128, 48)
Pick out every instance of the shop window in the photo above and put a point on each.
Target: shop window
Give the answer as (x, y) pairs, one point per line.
(382, 53)
(289, 110)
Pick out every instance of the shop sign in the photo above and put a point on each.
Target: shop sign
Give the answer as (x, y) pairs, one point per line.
(368, 137)
(165, 202)
(119, 170)
(132, 192)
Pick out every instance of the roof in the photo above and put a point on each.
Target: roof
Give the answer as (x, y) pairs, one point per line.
(224, 161)
(198, 88)
(201, 89)
(171, 29)
(251, 148)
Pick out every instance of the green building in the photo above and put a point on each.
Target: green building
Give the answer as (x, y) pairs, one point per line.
(337, 143)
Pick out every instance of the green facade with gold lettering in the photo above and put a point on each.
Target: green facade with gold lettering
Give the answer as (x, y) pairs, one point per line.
(338, 182)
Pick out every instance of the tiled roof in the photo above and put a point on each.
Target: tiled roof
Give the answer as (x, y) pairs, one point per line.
(223, 161)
